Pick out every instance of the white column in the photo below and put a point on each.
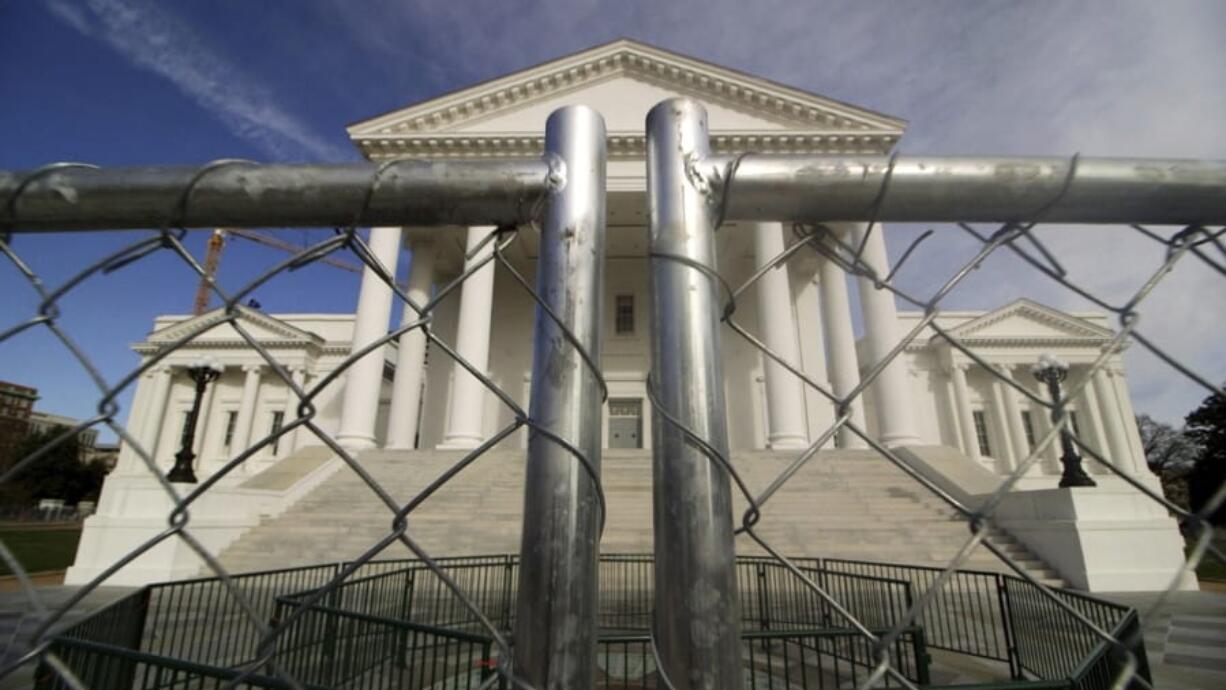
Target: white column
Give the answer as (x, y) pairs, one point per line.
(843, 367)
(1005, 454)
(246, 409)
(155, 413)
(406, 386)
(966, 419)
(893, 396)
(466, 421)
(785, 405)
(289, 442)
(1098, 434)
(1128, 420)
(364, 380)
(1117, 450)
(1013, 416)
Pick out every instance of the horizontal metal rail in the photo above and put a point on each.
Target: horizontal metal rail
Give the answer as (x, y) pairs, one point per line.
(980, 189)
(766, 187)
(239, 193)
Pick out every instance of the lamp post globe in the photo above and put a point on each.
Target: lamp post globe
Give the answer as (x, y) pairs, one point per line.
(1052, 371)
(203, 370)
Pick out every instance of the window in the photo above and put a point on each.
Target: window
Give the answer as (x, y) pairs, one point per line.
(623, 315)
(278, 418)
(981, 433)
(1028, 425)
(231, 421)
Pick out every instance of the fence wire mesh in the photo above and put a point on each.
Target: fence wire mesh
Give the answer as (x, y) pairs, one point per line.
(1020, 239)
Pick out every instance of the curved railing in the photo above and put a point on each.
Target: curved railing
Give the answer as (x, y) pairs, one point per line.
(395, 624)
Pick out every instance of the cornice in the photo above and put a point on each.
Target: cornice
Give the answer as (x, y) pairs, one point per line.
(153, 347)
(622, 145)
(820, 125)
(1075, 328)
(204, 322)
(990, 342)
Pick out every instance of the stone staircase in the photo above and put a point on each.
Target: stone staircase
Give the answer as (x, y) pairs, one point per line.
(842, 504)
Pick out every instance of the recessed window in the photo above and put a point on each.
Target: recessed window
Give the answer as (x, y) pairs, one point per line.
(278, 418)
(623, 314)
(1028, 425)
(981, 433)
(231, 422)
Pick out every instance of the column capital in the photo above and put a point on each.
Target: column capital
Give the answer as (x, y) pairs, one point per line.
(156, 370)
(253, 368)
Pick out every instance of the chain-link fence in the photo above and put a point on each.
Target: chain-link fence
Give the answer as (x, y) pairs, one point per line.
(695, 638)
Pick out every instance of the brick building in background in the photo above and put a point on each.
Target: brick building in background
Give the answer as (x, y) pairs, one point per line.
(16, 404)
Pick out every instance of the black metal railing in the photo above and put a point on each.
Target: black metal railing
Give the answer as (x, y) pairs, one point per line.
(1009, 619)
(396, 619)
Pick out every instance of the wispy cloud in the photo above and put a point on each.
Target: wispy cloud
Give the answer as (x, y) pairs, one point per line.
(152, 38)
(1139, 79)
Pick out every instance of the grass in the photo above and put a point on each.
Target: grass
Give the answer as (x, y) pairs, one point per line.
(40, 549)
(1210, 567)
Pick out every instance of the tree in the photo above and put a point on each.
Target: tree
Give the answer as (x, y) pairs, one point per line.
(58, 474)
(1171, 454)
(1206, 426)
(1167, 449)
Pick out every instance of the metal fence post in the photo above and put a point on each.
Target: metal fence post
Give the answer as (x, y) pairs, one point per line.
(697, 623)
(555, 625)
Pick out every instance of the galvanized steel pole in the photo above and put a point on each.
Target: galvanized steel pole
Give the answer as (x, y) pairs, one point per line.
(981, 189)
(243, 194)
(697, 620)
(766, 188)
(556, 626)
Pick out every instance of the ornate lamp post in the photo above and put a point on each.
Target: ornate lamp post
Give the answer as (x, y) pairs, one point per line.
(203, 371)
(1052, 371)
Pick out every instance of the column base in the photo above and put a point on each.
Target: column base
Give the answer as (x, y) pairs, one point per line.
(901, 440)
(356, 443)
(460, 443)
(788, 443)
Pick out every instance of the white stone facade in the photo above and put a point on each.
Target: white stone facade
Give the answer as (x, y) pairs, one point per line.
(412, 396)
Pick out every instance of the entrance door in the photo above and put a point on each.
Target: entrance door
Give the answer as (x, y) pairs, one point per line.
(626, 423)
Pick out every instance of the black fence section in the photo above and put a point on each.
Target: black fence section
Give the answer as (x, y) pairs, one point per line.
(1008, 619)
(119, 625)
(328, 647)
(784, 659)
(106, 667)
(395, 619)
(772, 597)
(967, 614)
(200, 621)
(1052, 643)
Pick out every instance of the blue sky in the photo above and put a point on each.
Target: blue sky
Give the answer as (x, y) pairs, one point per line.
(126, 82)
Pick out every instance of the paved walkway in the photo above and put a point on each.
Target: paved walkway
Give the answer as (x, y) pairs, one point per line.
(1185, 639)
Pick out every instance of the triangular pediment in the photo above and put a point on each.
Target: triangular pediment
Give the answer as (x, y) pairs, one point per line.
(623, 80)
(262, 327)
(1026, 319)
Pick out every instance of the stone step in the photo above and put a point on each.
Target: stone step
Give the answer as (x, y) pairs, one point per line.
(850, 504)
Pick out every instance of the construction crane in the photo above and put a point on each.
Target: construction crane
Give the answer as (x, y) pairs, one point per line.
(212, 258)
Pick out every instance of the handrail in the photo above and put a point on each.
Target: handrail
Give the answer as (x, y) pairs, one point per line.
(983, 613)
(157, 660)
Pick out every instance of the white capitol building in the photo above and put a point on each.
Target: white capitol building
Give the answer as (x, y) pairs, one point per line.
(957, 422)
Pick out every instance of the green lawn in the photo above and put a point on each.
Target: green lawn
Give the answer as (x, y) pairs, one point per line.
(40, 549)
(1210, 567)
